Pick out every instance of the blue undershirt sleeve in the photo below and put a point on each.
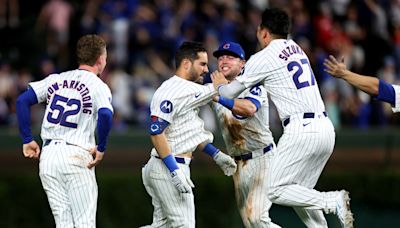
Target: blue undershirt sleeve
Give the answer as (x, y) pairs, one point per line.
(104, 123)
(24, 103)
(386, 93)
(254, 101)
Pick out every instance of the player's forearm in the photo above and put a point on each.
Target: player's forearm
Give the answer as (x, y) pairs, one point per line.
(161, 144)
(367, 84)
(231, 90)
(24, 101)
(244, 107)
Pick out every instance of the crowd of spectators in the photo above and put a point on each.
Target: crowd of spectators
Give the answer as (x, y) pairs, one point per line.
(143, 35)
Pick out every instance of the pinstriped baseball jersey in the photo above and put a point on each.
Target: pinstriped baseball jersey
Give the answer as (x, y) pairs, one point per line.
(288, 78)
(177, 101)
(396, 108)
(73, 99)
(244, 135)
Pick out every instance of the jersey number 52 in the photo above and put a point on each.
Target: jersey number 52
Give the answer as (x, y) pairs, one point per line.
(58, 115)
(298, 68)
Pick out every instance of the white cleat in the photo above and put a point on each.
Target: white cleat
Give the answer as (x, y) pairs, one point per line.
(343, 211)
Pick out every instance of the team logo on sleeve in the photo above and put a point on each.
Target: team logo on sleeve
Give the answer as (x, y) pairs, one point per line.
(166, 106)
(255, 90)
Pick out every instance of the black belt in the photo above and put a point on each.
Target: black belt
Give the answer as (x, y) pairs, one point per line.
(178, 159)
(245, 157)
(48, 141)
(306, 115)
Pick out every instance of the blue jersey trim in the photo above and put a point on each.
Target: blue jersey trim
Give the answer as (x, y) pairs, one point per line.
(24, 103)
(254, 101)
(386, 93)
(104, 123)
(157, 125)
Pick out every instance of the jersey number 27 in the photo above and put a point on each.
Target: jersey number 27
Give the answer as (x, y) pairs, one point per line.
(60, 117)
(298, 67)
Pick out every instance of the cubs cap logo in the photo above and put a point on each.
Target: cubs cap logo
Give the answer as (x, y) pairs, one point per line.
(230, 48)
(226, 46)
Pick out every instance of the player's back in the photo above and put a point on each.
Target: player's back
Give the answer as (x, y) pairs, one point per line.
(285, 71)
(73, 99)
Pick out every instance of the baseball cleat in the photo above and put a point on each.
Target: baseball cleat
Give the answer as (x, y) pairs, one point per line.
(343, 211)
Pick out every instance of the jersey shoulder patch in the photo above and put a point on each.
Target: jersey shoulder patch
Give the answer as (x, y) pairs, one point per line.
(256, 90)
(166, 106)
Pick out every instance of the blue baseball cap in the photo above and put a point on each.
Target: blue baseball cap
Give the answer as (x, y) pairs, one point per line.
(230, 48)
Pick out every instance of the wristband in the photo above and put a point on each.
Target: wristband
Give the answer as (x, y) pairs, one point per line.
(170, 162)
(228, 103)
(211, 150)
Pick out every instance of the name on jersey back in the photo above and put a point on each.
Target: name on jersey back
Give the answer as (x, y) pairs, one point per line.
(78, 86)
(289, 51)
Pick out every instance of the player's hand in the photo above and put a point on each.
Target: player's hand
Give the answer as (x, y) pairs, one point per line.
(218, 79)
(181, 183)
(334, 67)
(97, 157)
(215, 98)
(226, 163)
(31, 150)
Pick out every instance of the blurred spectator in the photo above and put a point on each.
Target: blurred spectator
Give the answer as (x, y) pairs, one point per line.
(142, 37)
(9, 13)
(54, 19)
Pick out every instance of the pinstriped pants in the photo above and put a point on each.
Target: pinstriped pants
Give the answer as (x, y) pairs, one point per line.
(171, 208)
(70, 186)
(251, 191)
(301, 155)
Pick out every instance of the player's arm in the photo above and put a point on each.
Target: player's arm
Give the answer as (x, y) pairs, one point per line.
(104, 123)
(371, 85)
(159, 139)
(24, 102)
(246, 107)
(224, 161)
(231, 90)
(338, 69)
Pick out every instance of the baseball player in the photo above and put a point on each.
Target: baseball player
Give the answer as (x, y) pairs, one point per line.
(176, 131)
(248, 139)
(371, 85)
(308, 138)
(77, 102)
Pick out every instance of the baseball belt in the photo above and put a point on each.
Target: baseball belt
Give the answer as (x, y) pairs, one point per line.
(48, 141)
(245, 157)
(180, 160)
(306, 115)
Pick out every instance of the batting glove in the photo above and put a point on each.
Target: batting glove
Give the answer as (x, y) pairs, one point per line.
(181, 182)
(226, 163)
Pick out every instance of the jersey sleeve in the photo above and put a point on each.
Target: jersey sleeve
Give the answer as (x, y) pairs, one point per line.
(40, 88)
(201, 95)
(257, 69)
(253, 72)
(164, 107)
(103, 98)
(396, 107)
(256, 94)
